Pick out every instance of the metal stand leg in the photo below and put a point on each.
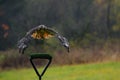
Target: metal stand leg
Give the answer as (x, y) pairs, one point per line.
(39, 77)
(41, 56)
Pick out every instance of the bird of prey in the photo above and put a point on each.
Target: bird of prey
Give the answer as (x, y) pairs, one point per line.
(40, 32)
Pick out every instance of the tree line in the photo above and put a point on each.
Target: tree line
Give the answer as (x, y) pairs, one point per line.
(81, 21)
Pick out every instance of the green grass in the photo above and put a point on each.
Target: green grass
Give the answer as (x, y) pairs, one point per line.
(98, 71)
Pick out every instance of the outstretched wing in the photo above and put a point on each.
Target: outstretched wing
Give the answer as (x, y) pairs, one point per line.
(40, 32)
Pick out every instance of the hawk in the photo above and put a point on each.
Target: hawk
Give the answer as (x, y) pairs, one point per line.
(40, 32)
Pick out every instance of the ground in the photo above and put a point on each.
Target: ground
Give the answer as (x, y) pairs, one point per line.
(91, 71)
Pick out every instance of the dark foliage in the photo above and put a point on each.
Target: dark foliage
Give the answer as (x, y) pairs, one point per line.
(78, 20)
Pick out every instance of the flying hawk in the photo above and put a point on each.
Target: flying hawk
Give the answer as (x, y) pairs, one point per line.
(40, 32)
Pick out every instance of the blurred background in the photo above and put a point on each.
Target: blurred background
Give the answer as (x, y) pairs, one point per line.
(91, 26)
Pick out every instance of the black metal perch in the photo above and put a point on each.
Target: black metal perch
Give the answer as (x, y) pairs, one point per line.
(40, 32)
(40, 56)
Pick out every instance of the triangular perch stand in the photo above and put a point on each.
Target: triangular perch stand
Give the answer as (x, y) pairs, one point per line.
(40, 56)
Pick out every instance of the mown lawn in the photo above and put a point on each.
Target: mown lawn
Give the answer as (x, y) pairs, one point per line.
(98, 71)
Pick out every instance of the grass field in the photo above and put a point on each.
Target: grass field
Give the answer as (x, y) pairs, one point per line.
(96, 71)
